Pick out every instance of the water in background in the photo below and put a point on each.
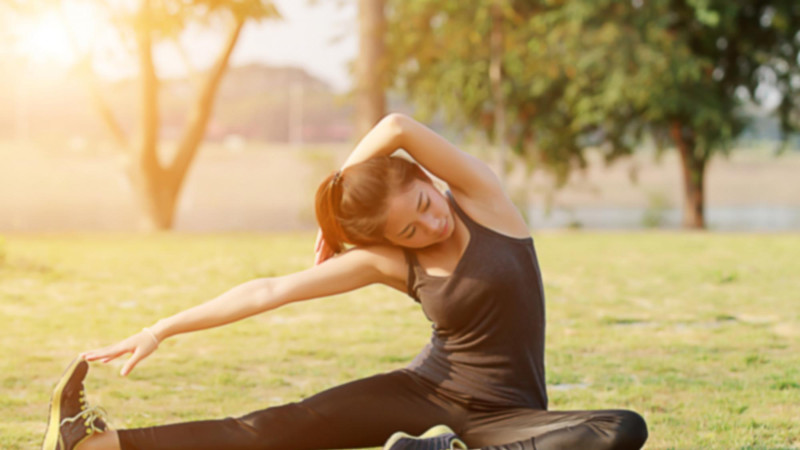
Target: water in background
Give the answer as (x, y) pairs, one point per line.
(733, 218)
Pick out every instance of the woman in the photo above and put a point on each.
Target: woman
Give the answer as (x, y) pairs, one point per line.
(465, 254)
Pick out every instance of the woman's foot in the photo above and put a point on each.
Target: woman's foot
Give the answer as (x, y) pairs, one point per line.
(440, 437)
(71, 420)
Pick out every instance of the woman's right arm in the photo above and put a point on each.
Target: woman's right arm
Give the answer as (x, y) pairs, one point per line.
(352, 270)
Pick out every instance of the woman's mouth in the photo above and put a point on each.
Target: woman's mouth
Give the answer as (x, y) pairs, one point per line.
(445, 228)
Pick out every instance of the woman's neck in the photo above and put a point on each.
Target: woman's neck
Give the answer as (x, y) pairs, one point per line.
(441, 259)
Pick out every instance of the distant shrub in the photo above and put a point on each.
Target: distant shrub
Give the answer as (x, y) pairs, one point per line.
(657, 206)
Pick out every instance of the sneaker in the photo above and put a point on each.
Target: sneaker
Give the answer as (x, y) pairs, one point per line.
(440, 437)
(71, 419)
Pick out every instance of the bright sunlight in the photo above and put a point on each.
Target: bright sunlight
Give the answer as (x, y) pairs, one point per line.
(55, 34)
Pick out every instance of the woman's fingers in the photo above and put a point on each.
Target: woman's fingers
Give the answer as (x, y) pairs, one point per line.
(327, 254)
(140, 344)
(317, 258)
(322, 251)
(137, 356)
(321, 256)
(320, 247)
(318, 242)
(105, 354)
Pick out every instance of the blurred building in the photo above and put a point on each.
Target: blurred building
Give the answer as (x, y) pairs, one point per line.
(254, 102)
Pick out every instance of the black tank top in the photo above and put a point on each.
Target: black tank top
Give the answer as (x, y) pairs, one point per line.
(488, 320)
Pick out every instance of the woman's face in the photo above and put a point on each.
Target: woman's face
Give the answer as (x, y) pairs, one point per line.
(418, 216)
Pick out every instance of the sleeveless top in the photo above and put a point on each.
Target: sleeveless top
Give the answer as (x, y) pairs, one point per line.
(487, 346)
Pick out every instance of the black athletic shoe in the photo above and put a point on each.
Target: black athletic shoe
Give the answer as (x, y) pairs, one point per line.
(71, 419)
(440, 437)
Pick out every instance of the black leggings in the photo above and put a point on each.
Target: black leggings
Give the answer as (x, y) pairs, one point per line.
(366, 412)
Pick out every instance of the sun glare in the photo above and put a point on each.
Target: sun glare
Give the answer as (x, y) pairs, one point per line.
(51, 37)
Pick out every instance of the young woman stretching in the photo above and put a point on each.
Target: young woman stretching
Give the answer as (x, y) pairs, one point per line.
(465, 254)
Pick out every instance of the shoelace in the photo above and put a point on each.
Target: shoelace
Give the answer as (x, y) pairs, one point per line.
(89, 414)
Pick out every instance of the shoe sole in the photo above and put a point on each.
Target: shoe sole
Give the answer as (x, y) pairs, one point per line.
(53, 424)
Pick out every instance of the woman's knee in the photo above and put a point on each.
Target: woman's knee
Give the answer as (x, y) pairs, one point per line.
(632, 431)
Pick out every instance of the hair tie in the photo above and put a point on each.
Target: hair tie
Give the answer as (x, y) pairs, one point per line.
(337, 176)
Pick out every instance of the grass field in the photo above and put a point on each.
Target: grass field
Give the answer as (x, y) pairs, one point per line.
(698, 332)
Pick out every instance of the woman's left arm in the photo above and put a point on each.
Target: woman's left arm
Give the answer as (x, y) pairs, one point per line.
(461, 171)
(473, 183)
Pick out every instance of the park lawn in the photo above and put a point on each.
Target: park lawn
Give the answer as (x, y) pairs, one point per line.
(699, 332)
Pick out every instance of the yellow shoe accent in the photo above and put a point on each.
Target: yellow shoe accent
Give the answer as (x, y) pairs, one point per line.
(433, 432)
(51, 437)
(71, 419)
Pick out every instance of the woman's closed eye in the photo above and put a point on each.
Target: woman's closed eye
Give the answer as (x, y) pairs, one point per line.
(425, 206)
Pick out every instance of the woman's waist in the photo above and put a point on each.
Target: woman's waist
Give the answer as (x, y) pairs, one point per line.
(496, 379)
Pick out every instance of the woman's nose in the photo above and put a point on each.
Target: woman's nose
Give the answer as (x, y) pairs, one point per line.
(430, 223)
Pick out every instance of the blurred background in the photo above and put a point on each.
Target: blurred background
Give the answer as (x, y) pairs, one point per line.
(209, 115)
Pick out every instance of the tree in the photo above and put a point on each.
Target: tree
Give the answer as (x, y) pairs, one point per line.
(600, 73)
(734, 52)
(507, 67)
(370, 65)
(141, 25)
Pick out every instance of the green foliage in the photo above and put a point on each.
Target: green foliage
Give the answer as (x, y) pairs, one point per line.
(657, 205)
(723, 55)
(584, 73)
(170, 17)
(565, 72)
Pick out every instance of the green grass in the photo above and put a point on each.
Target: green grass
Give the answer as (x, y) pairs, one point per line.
(698, 332)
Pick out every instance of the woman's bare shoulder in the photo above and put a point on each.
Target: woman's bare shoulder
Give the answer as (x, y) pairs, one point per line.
(390, 261)
(493, 210)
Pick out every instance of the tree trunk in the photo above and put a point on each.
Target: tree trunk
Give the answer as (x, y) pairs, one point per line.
(196, 126)
(158, 185)
(693, 168)
(370, 65)
(146, 172)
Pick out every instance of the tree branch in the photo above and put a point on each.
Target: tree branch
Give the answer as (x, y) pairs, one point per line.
(195, 128)
(93, 84)
(191, 70)
(149, 112)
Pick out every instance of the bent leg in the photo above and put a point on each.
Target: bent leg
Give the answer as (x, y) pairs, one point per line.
(362, 413)
(526, 429)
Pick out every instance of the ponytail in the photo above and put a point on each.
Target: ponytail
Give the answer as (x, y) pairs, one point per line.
(329, 196)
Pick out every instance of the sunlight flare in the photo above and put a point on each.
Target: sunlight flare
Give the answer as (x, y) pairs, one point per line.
(56, 34)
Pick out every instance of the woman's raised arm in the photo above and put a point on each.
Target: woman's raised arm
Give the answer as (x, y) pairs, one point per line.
(461, 171)
(354, 269)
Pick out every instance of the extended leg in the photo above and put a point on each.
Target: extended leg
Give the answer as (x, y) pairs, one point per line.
(358, 414)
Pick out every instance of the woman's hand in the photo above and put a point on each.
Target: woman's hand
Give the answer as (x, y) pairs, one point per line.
(322, 251)
(141, 345)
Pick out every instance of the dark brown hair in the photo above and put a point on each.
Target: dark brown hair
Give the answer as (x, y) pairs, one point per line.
(351, 204)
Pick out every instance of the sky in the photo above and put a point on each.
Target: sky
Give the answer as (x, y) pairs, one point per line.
(321, 38)
(317, 35)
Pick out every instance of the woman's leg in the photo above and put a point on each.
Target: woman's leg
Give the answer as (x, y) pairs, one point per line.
(526, 429)
(358, 414)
